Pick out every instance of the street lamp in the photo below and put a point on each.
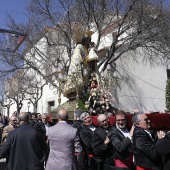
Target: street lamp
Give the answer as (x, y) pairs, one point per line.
(28, 104)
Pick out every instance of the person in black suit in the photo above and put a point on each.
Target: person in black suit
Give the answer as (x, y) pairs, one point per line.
(144, 145)
(42, 126)
(121, 139)
(101, 144)
(24, 146)
(78, 125)
(86, 136)
(163, 148)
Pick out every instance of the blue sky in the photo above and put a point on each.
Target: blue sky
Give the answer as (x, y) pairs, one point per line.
(14, 7)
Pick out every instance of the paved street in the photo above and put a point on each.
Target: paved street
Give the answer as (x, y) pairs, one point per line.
(2, 164)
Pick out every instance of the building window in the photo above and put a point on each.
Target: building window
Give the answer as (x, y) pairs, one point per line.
(51, 106)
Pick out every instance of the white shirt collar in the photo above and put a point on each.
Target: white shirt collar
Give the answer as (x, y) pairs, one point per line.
(124, 132)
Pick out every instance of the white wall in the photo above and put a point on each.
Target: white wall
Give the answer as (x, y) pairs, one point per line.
(142, 86)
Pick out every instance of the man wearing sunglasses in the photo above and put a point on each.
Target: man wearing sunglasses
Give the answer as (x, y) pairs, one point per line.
(144, 145)
(11, 126)
(121, 139)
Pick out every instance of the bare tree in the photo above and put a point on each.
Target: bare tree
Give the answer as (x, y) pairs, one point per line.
(23, 86)
(4, 102)
(14, 89)
(33, 89)
(129, 24)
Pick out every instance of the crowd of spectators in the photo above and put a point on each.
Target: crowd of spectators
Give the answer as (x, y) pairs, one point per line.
(30, 141)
